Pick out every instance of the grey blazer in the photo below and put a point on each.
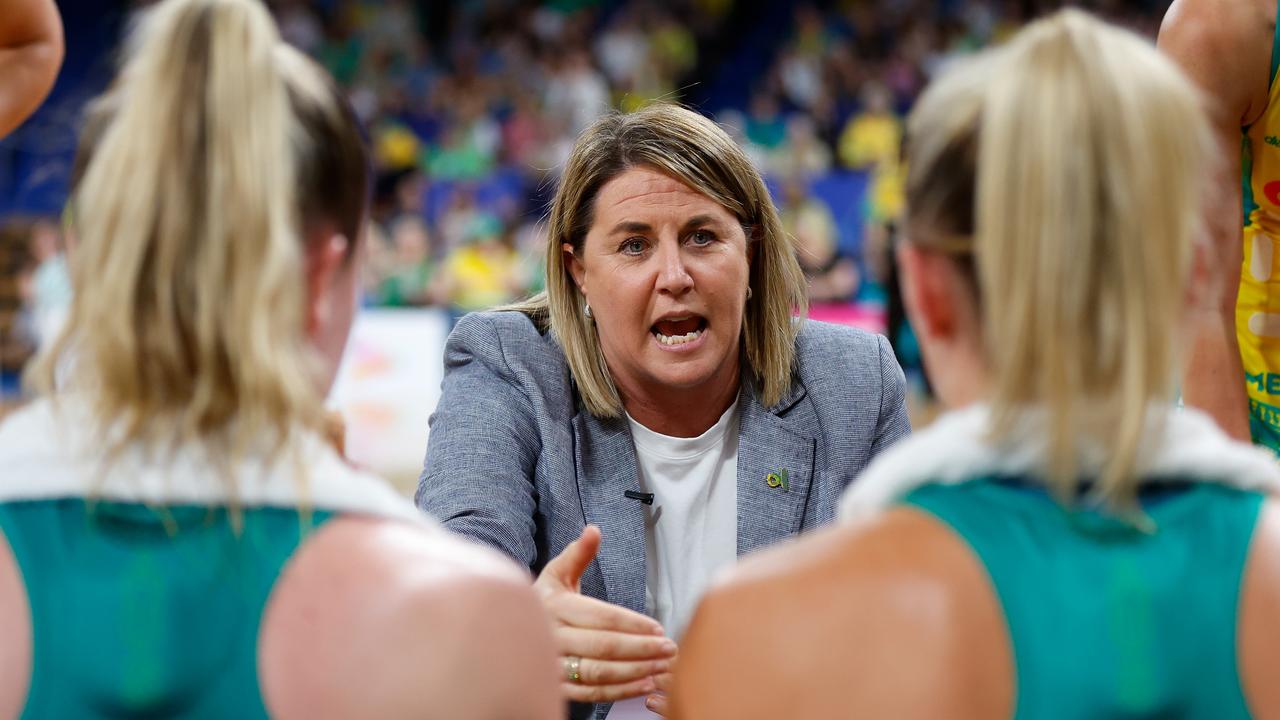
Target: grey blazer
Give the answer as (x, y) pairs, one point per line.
(515, 461)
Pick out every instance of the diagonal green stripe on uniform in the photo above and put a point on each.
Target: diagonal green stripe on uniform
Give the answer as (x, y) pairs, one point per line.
(1109, 619)
(121, 593)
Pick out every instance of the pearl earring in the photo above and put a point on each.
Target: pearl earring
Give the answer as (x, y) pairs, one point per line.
(586, 309)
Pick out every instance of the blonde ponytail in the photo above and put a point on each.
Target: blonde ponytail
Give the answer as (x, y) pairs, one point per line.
(1087, 153)
(188, 320)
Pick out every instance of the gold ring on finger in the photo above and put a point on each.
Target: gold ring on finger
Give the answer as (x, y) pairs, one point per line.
(572, 667)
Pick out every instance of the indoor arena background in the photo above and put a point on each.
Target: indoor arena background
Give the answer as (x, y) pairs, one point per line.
(472, 106)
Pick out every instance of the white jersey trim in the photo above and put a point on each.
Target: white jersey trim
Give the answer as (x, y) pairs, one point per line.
(49, 450)
(956, 448)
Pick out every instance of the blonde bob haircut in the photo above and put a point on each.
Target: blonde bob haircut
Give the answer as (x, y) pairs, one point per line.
(694, 150)
(1072, 166)
(215, 154)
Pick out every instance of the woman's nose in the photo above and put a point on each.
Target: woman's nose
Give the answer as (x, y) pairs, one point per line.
(673, 276)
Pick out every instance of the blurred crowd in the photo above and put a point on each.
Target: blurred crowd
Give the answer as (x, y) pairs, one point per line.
(471, 107)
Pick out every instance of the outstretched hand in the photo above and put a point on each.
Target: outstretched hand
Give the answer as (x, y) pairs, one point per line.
(617, 653)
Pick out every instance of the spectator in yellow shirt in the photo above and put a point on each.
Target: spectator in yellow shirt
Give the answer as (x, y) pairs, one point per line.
(872, 141)
(484, 271)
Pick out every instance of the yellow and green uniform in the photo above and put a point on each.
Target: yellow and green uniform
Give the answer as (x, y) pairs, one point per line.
(1258, 303)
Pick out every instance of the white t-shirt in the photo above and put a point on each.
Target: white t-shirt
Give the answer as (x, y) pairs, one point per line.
(691, 530)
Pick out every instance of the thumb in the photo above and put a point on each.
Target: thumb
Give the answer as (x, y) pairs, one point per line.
(566, 568)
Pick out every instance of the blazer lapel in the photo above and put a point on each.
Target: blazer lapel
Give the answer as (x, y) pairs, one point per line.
(775, 470)
(606, 468)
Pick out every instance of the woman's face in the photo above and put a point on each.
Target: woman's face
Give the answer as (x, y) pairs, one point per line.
(665, 270)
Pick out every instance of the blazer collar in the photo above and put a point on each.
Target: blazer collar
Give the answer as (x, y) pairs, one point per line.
(776, 448)
(605, 459)
(792, 396)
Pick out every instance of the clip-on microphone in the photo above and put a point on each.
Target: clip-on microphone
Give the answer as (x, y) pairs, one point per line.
(646, 498)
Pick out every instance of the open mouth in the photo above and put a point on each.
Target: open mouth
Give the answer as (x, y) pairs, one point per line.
(679, 331)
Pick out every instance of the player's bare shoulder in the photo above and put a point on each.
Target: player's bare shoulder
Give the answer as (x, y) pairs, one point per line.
(15, 627)
(1225, 47)
(1258, 625)
(905, 596)
(401, 608)
(1220, 20)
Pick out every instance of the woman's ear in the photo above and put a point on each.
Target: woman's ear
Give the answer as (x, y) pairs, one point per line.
(325, 259)
(574, 263)
(928, 291)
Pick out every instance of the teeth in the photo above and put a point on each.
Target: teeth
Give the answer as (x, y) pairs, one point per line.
(677, 339)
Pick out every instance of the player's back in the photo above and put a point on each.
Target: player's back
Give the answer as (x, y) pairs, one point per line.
(145, 592)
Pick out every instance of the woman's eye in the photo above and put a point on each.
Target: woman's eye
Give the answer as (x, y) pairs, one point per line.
(634, 246)
(702, 237)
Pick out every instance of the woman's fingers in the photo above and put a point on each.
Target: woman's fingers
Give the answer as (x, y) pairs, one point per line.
(564, 571)
(657, 703)
(607, 693)
(664, 681)
(618, 651)
(616, 672)
(587, 612)
(610, 645)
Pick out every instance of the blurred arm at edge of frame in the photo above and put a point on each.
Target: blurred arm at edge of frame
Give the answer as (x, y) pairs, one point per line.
(1224, 46)
(31, 51)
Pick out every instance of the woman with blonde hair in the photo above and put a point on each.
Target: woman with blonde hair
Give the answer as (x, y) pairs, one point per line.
(176, 538)
(661, 409)
(1064, 542)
